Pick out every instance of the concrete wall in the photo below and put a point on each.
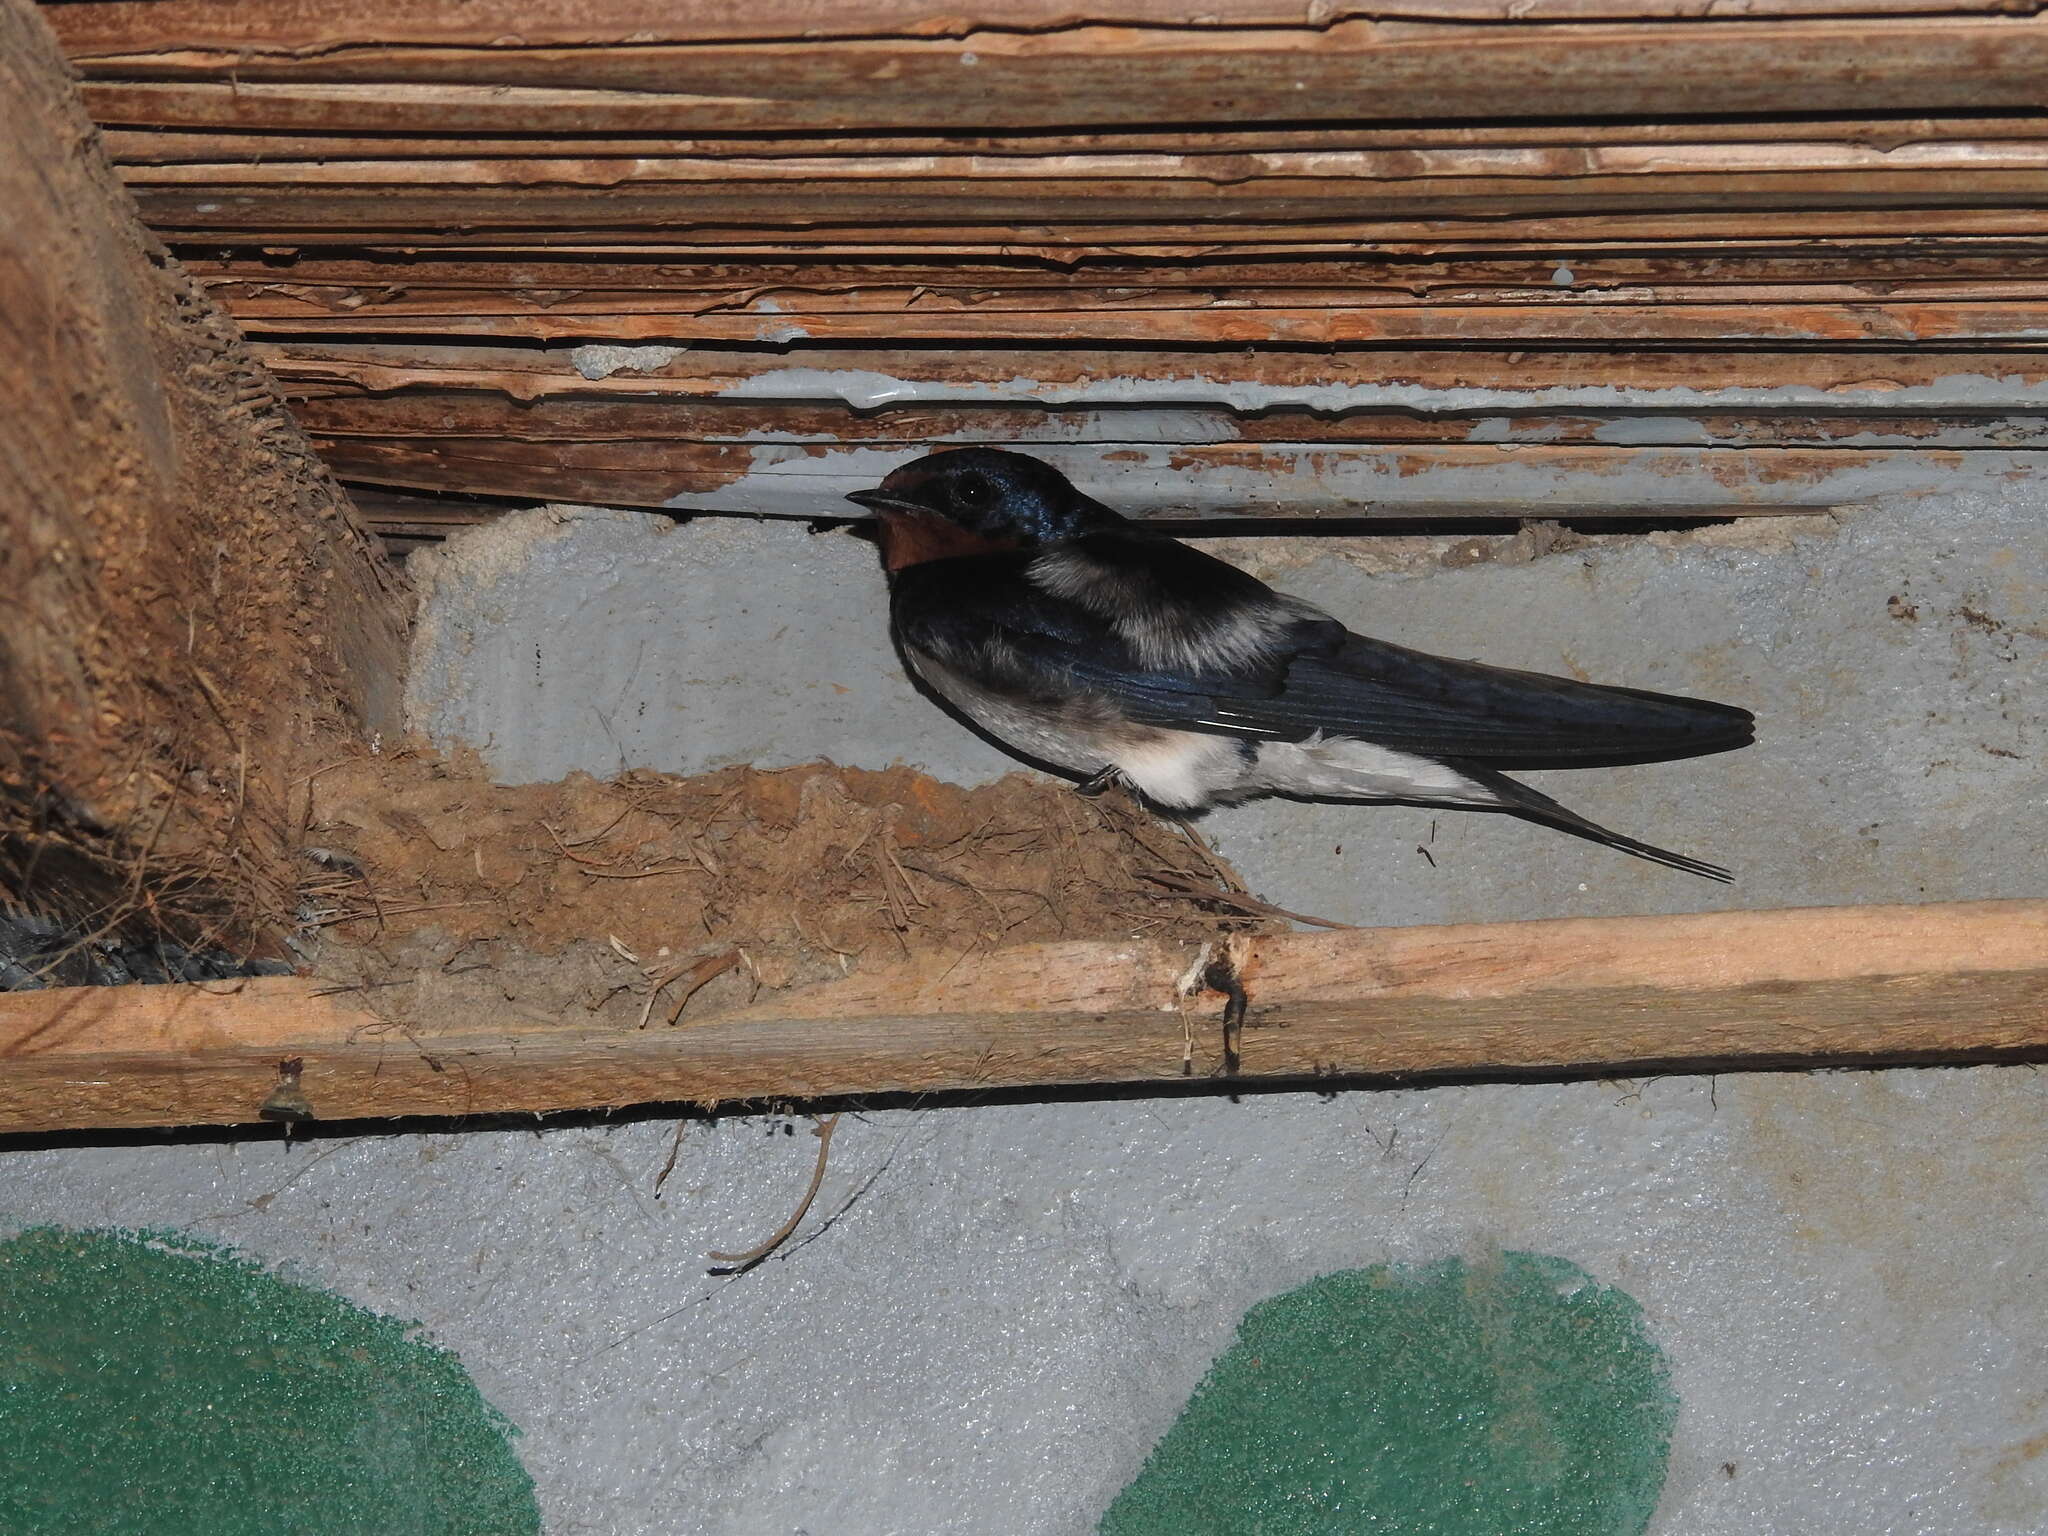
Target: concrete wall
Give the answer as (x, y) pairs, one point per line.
(1828, 1286)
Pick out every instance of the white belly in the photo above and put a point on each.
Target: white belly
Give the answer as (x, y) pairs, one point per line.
(1030, 732)
(1182, 769)
(1337, 767)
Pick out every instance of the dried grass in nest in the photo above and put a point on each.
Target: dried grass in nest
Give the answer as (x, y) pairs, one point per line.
(191, 611)
(193, 866)
(654, 893)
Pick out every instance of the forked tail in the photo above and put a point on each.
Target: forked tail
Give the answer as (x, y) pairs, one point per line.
(1535, 805)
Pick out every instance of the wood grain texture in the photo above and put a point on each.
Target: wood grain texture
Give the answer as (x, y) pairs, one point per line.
(127, 26)
(1349, 70)
(1248, 378)
(550, 220)
(1294, 480)
(322, 202)
(995, 206)
(691, 426)
(227, 146)
(186, 604)
(1244, 432)
(1807, 271)
(1958, 982)
(886, 317)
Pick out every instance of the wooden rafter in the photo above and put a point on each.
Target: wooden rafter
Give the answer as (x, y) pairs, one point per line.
(363, 73)
(186, 602)
(305, 25)
(1593, 996)
(439, 204)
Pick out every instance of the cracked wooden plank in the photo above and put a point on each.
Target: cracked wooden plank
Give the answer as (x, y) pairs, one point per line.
(868, 378)
(1808, 987)
(568, 224)
(1225, 319)
(306, 26)
(224, 145)
(1594, 171)
(1350, 70)
(1207, 480)
(1603, 272)
(1929, 292)
(320, 211)
(475, 416)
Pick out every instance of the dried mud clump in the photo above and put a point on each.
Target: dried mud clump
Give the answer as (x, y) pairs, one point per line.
(635, 899)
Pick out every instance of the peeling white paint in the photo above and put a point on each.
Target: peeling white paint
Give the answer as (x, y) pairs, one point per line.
(1653, 431)
(1195, 426)
(601, 361)
(1148, 480)
(869, 389)
(1135, 425)
(1509, 429)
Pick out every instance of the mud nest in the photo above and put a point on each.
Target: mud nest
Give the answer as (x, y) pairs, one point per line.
(637, 899)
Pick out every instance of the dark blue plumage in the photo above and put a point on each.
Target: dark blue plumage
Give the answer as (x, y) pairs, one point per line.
(1098, 645)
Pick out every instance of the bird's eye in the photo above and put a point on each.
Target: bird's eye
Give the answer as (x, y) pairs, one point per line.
(973, 493)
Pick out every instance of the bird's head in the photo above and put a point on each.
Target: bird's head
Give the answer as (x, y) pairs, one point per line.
(971, 500)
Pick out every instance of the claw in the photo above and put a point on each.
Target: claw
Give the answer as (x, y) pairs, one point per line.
(1096, 783)
(1221, 976)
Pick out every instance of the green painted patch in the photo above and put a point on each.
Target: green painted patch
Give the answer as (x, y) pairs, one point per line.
(153, 1384)
(1459, 1399)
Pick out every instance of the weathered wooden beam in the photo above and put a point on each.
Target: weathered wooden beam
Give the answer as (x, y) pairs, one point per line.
(555, 221)
(1202, 480)
(1243, 379)
(692, 430)
(406, 519)
(1922, 292)
(185, 602)
(1468, 170)
(1702, 309)
(781, 249)
(913, 222)
(1349, 70)
(1910, 266)
(1233, 433)
(351, 112)
(1223, 319)
(281, 197)
(176, 146)
(117, 26)
(1587, 996)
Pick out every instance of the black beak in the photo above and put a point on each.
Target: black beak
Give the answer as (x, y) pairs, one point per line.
(879, 500)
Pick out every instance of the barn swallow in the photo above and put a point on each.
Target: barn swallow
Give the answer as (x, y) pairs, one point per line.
(1107, 650)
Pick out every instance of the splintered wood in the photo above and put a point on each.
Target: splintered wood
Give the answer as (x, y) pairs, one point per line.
(1537, 235)
(1962, 982)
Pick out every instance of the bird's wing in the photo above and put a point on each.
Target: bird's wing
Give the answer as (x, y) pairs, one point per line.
(1142, 620)
(1175, 638)
(1437, 707)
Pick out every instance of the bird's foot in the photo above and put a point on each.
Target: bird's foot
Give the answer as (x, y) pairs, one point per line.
(1221, 976)
(1096, 783)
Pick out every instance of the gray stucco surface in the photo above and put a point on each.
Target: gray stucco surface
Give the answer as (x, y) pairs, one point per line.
(572, 637)
(1844, 1269)
(1886, 660)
